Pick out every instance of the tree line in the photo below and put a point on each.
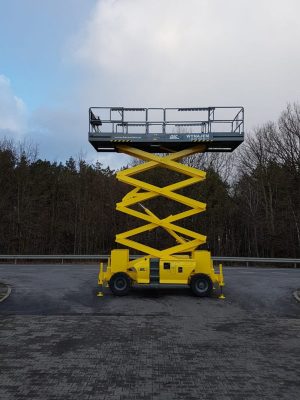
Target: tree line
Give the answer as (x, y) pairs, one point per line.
(252, 196)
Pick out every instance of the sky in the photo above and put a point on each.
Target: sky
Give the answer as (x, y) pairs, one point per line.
(58, 58)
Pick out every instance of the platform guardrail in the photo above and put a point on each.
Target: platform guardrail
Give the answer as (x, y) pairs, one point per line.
(122, 120)
(295, 262)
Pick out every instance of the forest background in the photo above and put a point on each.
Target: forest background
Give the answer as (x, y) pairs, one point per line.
(252, 196)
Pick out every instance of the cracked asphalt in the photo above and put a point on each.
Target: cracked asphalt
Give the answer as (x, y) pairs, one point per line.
(58, 340)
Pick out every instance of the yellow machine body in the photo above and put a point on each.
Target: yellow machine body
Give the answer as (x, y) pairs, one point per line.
(177, 271)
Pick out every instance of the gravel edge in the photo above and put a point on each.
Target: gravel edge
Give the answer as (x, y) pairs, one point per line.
(8, 291)
(296, 294)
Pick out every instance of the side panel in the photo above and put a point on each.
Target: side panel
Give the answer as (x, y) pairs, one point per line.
(119, 260)
(140, 270)
(166, 271)
(176, 272)
(137, 270)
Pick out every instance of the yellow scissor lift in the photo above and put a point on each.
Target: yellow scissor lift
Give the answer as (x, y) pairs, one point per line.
(144, 137)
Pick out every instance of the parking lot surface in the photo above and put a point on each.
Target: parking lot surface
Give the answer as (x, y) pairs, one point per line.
(58, 340)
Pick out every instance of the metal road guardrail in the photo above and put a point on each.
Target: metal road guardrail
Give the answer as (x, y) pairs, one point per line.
(258, 260)
(103, 257)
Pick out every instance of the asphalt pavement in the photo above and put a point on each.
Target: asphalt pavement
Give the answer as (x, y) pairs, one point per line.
(58, 340)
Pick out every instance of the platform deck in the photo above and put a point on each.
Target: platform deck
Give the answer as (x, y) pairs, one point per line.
(165, 130)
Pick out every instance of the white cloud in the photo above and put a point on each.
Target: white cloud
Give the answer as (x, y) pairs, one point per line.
(59, 132)
(13, 114)
(193, 52)
(165, 53)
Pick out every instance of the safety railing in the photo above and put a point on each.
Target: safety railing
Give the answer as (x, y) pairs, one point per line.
(122, 120)
(246, 261)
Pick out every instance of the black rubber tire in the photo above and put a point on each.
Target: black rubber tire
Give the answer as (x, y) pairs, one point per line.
(120, 284)
(201, 285)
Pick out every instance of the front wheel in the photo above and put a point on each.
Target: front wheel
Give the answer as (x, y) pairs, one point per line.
(120, 284)
(201, 285)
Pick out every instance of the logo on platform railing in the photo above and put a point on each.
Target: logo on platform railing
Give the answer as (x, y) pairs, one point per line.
(203, 136)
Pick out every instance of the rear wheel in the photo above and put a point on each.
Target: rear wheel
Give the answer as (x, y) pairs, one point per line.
(120, 284)
(201, 285)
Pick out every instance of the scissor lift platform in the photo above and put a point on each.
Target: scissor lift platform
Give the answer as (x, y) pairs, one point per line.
(166, 130)
(179, 132)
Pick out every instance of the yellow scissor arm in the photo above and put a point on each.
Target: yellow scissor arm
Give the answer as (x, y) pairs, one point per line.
(187, 240)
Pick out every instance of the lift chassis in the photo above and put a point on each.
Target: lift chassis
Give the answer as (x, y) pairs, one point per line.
(183, 263)
(197, 271)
